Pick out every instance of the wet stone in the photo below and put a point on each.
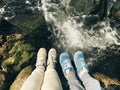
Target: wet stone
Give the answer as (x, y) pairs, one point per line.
(2, 80)
(22, 76)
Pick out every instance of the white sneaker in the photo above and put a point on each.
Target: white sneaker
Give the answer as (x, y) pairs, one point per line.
(41, 57)
(52, 57)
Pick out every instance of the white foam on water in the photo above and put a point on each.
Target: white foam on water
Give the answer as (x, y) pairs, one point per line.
(71, 34)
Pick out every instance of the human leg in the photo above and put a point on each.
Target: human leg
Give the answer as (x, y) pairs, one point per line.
(89, 82)
(51, 79)
(69, 72)
(82, 72)
(35, 80)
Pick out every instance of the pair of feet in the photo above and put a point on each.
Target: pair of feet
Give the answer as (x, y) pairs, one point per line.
(42, 57)
(65, 61)
(79, 61)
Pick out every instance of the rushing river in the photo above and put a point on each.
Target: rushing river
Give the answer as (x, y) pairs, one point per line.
(73, 32)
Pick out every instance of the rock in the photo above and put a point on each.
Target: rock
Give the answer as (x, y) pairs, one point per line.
(103, 8)
(116, 7)
(117, 14)
(21, 77)
(113, 87)
(12, 8)
(18, 50)
(106, 80)
(2, 80)
(108, 65)
(21, 54)
(85, 6)
(1, 40)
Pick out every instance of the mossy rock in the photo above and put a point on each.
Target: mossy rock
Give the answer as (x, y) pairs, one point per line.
(2, 80)
(21, 77)
(1, 17)
(116, 5)
(18, 50)
(17, 56)
(34, 29)
(85, 6)
(106, 80)
(28, 22)
(106, 69)
(113, 87)
(2, 49)
(10, 61)
(116, 9)
(21, 54)
(1, 40)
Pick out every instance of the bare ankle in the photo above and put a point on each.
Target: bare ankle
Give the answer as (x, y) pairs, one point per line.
(70, 74)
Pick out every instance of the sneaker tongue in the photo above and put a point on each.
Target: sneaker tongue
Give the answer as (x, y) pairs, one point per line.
(41, 61)
(70, 69)
(67, 64)
(51, 60)
(85, 69)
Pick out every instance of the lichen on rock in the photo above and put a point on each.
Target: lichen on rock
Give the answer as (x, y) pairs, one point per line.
(21, 77)
(20, 54)
(2, 80)
(106, 80)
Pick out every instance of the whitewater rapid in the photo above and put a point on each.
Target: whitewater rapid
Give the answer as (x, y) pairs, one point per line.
(70, 32)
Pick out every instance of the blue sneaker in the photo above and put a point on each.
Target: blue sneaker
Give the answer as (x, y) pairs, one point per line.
(65, 63)
(80, 64)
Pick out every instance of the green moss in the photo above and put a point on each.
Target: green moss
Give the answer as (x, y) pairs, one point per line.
(106, 79)
(1, 17)
(1, 40)
(29, 22)
(19, 50)
(20, 46)
(79, 6)
(21, 77)
(116, 7)
(9, 61)
(84, 6)
(2, 49)
(2, 80)
(32, 24)
(21, 53)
